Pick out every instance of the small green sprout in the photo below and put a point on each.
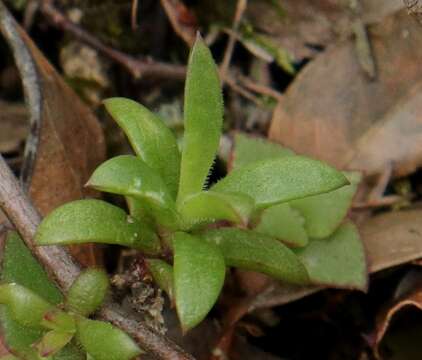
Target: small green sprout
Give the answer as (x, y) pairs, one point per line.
(60, 325)
(275, 212)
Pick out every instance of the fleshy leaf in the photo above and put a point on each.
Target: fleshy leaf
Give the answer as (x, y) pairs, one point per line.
(59, 320)
(257, 252)
(163, 275)
(203, 119)
(20, 266)
(140, 211)
(199, 272)
(274, 181)
(52, 342)
(88, 291)
(103, 341)
(283, 223)
(323, 213)
(95, 221)
(130, 176)
(210, 206)
(26, 307)
(150, 138)
(249, 149)
(337, 261)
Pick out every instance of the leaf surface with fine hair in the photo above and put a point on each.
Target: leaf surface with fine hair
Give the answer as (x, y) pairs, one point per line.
(203, 119)
(150, 138)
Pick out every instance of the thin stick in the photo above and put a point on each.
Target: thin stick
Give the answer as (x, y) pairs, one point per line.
(137, 67)
(134, 15)
(240, 9)
(63, 270)
(17, 207)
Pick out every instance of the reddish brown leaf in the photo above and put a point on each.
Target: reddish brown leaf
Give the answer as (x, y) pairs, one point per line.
(65, 142)
(384, 321)
(182, 20)
(335, 113)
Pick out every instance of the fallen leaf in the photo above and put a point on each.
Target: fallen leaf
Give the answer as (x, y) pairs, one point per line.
(182, 20)
(333, 112)
(14, 126)
(303, 28)
(403, 342)
(65, 142)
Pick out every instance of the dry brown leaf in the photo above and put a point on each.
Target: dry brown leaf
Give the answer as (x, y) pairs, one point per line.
(335, 113)
(13, 126)
(385, 319)
(182, 20)
(65, 143)
(307, 26)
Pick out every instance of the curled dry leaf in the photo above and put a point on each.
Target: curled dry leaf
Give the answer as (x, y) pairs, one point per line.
(65, 142)
(386, 319)
(182, 20)
(352, 122)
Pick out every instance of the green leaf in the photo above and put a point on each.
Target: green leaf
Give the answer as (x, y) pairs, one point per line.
(249, 149)
(210, 206)
(26, 307)
(257, 252)
(283, 223)
(19, 266)
(150, 138)
(59, 320)
(140, 211)
(203, 119)
(88, 292)
(274, 181)
(130, 176)
(104, 341)
(52, 342)
(95, 221)
(163, 275)
(337, 261)
(323, 213)
(199, 272)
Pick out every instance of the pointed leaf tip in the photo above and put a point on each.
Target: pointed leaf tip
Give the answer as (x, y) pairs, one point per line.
(203, 119)
(150, 138)
(278, 180)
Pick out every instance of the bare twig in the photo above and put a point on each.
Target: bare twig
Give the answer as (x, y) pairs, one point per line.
(137, 67)
(259, 88)
(134, 15)
(62, 269)
(17, 207)
(240, 9)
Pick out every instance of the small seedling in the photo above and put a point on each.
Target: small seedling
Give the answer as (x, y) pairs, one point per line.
(38, 327)
(275, 212)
